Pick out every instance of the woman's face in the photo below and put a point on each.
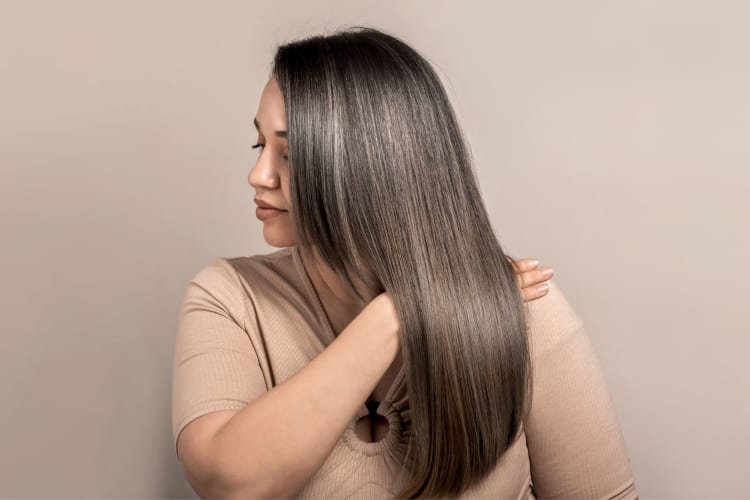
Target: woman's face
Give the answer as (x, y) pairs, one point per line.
(270, 175)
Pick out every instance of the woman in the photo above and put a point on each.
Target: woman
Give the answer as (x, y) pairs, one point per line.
(391, 347)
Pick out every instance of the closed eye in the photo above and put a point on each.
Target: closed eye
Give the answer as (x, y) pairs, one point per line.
(259, 145)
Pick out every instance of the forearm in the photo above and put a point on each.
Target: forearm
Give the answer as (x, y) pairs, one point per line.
(274, 445)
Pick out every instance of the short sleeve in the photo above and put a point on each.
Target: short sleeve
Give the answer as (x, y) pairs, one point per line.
(215, 364)
(576, 447)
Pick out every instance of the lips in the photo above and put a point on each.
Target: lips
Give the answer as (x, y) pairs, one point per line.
(263, 204)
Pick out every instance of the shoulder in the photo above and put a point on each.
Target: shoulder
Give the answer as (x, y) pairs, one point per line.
(217, 274)
(230, 282)
(269, 266)
(216, 281)
(573, 436)
(551, 319)
(232, 274)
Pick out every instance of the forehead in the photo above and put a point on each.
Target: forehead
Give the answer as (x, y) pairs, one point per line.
(270, 114)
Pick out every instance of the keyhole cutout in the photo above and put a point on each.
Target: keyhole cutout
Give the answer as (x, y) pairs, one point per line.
(373, 427)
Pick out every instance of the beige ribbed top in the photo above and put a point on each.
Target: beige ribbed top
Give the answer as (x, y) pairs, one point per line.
(248, 323)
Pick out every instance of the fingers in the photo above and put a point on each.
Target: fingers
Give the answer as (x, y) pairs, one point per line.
(524, 264)
(534, 292)
(532, 279)
(535, 276)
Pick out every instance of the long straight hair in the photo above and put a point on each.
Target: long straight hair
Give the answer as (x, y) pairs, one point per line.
(381, 179)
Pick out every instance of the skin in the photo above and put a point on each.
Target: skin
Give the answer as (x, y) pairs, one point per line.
(270, 179)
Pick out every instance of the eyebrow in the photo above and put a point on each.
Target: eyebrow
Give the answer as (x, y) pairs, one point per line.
(278, 133)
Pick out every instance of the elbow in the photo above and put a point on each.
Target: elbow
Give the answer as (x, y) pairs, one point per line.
(225, 487)
(218, 488)
(249, 491)
(252, 476)
(218, 485)
(258, 489)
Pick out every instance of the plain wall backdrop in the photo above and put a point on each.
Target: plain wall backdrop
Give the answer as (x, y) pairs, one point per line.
(611, 141)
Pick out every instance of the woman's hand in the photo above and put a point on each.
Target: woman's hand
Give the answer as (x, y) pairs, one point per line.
(531, 278)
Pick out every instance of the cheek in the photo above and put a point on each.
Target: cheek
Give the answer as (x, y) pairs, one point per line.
(285, 189)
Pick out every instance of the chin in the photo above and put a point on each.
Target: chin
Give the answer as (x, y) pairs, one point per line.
(278, 238)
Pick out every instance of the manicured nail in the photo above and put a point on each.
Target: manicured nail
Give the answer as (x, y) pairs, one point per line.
(547, 272)
(533, 263)
(542, 288)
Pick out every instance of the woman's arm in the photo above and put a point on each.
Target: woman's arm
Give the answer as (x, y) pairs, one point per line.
(275, 444)
(576, 447)
(234, 436)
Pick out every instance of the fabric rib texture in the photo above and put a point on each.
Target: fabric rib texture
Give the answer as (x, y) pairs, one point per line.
(248, 323)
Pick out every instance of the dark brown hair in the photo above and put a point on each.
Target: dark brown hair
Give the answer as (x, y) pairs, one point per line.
(381, 178)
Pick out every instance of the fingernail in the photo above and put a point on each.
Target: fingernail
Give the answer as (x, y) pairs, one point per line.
(547, 272)
(534, 263)
(543, 287)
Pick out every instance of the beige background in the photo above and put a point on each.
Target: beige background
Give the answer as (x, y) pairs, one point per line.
(611, 142)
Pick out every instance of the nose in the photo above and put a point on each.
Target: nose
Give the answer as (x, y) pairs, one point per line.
(262, 175)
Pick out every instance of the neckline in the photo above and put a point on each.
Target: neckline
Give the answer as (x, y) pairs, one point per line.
(385, 406)
(328, 332)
